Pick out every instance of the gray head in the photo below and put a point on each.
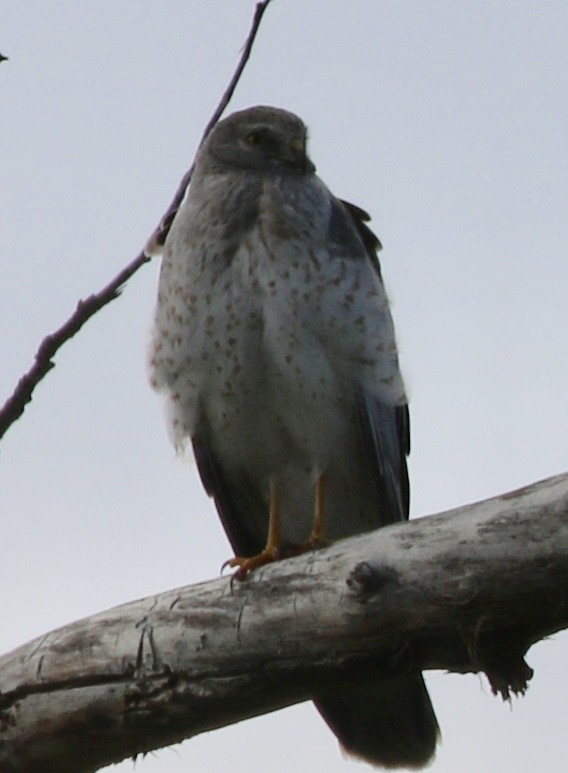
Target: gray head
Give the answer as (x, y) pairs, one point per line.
(261, 139)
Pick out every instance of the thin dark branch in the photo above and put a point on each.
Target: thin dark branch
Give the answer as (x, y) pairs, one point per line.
(14, 407)
(227, 96)
(158, 237)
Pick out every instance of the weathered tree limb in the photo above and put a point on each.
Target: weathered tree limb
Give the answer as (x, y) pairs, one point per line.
(467, 590)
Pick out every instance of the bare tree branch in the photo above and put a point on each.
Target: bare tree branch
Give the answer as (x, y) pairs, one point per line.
(468, 590)
(15, 405)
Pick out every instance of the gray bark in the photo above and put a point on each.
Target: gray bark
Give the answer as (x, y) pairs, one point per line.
(466, 591)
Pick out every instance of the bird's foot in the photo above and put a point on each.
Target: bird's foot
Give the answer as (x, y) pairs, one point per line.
(245, 565)
(314, 542)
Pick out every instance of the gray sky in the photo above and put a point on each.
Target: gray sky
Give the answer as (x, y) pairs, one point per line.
(448, 122)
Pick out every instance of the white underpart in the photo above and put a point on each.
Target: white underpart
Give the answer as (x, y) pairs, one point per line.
(273, 346)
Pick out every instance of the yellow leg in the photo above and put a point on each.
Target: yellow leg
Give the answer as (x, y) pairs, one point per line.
(274, 539)
(317, 534)
(318, 530)
(273, 548)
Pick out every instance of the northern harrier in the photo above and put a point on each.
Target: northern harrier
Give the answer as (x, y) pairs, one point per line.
(275, 346)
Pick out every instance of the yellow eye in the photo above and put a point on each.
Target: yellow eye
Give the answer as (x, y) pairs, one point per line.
(254, 138)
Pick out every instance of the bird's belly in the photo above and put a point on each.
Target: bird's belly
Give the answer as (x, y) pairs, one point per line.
(238, 350)
(269, 423)
(243, 363)
(265, 417)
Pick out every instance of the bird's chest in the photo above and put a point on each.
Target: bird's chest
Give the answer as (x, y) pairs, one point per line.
(233, 320)
(235, 335)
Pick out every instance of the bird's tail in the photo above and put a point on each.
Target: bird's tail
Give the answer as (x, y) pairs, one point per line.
(390, 724)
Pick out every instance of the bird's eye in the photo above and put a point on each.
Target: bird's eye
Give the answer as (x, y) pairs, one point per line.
(254, 138)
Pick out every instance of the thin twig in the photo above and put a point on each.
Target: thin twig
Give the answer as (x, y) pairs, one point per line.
(227, 96)
(158, 237)
(14, 407)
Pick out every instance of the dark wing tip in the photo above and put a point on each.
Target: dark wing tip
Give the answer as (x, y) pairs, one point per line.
(360, 217)
(235, 500)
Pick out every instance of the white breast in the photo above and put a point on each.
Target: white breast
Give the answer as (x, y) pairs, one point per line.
(272, 345)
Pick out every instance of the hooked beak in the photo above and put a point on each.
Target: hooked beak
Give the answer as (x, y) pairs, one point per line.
(295, 157)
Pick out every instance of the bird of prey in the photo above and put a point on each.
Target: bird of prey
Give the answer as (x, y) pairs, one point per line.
(274, 343)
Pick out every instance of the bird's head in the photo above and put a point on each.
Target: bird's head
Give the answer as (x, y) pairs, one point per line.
(261, 139)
